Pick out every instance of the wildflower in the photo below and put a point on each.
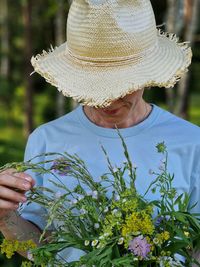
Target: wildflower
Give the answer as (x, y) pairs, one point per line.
(96, 225)
(120, 241)
(80, 198)
(114, 211)
(86, 243)
(9, 247)
(115, 170)
(159, 220)
(74, 201)
(57, 195)
(151, 172)
(138, 222)
(161, 167)
(134, 166)
(117, 197)
(30, 256)
(186, 234)
(83, 211)
(95, 194)
(106, 209)
(156, 241)
(140, 247)
(61, 166)
(161, 147)
(95, 242)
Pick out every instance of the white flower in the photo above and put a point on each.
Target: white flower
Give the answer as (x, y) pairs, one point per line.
(80, 197)
(87, 242)
(117, 197)
(57, 195)
(156, 241)
(95, 242)
(83, 211)
(74, 201)
(161, 167)
(115, 170)
(96, 225)
(164, 160)
(106, 234)
(106, 209)
(30, 256)
(89, 193)
(114, 211)
(95, 194)
(120, 241)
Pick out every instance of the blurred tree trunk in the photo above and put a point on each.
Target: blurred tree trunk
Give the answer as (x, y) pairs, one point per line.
(170, 27)
(27, 12)
(191, 13)
(4, 64)
(60, 37)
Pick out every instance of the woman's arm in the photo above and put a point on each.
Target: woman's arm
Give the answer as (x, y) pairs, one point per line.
(13, 187)
(14, 227)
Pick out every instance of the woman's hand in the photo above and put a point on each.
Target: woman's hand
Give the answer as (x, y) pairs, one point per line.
(13, 187)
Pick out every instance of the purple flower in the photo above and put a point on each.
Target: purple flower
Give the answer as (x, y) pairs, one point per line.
(139, 246)
(159, 220)
(61, 166)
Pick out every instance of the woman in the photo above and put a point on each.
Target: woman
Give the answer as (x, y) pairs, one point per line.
(113, 52)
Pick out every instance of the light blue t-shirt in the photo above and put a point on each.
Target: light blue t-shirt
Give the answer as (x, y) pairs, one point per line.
(75, 133)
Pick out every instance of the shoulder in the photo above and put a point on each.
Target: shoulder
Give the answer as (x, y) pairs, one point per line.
(178, 127)
(58, 126)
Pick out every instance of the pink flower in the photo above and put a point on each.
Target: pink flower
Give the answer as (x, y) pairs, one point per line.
(139, 246)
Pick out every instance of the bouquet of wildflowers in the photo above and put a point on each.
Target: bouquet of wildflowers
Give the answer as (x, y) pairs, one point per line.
(123, 229)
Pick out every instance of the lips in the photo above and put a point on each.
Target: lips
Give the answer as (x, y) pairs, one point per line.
(110, 111)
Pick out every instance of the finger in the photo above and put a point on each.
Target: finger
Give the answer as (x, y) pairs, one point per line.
(8, 194)
(25, 176)
(7, 205)
(8, 171)
(15, 182)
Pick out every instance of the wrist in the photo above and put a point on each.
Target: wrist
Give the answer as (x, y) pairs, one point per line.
(8, 219)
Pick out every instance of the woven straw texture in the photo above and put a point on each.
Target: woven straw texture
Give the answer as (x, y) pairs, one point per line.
(113, 48)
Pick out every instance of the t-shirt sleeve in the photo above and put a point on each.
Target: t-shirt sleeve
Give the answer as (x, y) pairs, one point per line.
(195, 183)
(33, 212)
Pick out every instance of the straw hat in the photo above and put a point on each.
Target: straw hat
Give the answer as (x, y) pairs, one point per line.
(113, 48)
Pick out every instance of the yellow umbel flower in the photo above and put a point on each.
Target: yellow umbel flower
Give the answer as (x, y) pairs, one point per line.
(9, 247)
(161, 238)
(138, 222)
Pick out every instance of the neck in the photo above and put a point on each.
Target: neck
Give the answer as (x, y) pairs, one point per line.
(130, 116)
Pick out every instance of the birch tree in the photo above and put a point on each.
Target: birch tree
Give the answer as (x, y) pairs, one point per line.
(191, 15)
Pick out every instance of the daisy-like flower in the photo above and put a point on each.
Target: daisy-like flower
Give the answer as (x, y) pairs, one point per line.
(95, 242)
(120, 241)
(87, 242)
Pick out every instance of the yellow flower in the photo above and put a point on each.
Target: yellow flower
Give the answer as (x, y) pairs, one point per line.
(161, 238)
(9, 247)
(138, 221)
(186, 234)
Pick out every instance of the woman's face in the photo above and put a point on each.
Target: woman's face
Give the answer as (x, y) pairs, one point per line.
(119, 113)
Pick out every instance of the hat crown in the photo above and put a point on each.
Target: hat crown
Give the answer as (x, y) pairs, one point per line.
(101, 29)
